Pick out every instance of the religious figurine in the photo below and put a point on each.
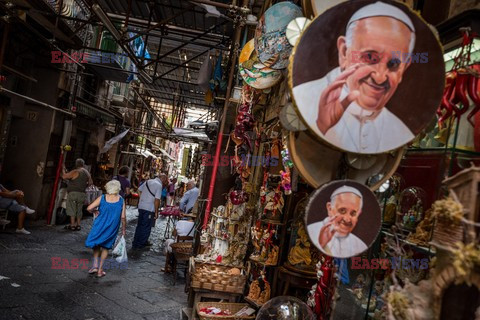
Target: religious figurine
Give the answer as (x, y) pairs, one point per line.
(300, 253)
(272, 256)
(254, 291)
(265, 294)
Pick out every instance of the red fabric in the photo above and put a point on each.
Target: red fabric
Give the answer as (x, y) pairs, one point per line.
(170, 211)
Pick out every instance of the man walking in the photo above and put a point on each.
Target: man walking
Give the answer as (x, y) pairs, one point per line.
(80, 179)
(150, 195)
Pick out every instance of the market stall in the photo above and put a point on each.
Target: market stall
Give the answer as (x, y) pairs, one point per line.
(344, 147)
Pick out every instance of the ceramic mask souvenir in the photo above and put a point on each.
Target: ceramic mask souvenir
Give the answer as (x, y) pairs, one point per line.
(271, 41)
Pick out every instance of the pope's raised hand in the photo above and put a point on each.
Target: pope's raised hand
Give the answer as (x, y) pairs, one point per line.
(328, 230)
(330, 108)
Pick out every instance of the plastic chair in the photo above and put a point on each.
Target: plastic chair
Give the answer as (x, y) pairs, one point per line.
(4, 218)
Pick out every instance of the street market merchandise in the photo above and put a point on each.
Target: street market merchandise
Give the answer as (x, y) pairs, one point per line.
(285, 308)
(255, 73)
(411, 207)
(333, 213)
(338, 97)
(318, 164)
(271, 42)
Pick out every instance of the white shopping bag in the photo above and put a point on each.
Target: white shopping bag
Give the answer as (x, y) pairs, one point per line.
(120, 250)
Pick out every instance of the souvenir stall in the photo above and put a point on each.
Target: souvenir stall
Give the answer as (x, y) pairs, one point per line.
(331, 215)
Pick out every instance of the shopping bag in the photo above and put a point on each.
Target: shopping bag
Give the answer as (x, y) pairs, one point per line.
(121, 245)
(123, 257)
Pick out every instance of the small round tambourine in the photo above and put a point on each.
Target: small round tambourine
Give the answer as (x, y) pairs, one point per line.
(271, 44)
(343, 218)
(317, 163)
(295, 29)
(289, 118)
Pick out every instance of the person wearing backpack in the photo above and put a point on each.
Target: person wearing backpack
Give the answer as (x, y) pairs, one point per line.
(124, 182)
(150, 193)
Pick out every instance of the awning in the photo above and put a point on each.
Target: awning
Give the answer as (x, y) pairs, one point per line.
(144, 152)
(190, 134)
(165, 153)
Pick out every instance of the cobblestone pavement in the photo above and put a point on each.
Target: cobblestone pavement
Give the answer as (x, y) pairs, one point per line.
(36, 291)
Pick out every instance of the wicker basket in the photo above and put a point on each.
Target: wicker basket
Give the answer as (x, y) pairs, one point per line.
(446, 233)
(233, 307)
(215, 277)
(182, 250)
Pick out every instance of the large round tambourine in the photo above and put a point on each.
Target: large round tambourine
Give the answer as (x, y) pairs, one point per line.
(343, 218)
(320, 6)
(318, 164)
(271, 44)
(403, 100)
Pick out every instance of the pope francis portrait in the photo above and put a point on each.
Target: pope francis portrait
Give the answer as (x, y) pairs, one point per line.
(347, 107)
(333, 235)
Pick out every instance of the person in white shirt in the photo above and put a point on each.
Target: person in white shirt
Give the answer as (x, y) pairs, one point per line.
(150, 195)
(348, 106)
(183, 228)
(335, 236)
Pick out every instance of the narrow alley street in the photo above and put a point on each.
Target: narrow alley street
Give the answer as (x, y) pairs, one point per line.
(34, 290)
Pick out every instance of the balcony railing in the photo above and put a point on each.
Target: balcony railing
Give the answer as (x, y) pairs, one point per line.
(73, 9)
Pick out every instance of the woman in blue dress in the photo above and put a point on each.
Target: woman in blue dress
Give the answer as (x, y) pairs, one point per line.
(105, 227)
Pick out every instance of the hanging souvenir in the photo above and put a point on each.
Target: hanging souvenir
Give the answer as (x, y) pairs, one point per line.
(295, 29)
(271, 42)
(367, 101)
(320, 6)
(290, 120)
(317, 163)
(253, 72)
(343, 218)
(321, 296)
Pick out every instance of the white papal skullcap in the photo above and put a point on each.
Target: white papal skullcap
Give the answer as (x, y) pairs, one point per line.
(380, 9)
(346, 189)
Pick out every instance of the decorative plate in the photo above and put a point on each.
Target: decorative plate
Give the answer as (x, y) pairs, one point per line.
(271, 42)
(253, 72)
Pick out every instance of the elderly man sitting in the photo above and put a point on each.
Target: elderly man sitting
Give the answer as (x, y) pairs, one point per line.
(189, 198)
(183, 228)
(13, 201)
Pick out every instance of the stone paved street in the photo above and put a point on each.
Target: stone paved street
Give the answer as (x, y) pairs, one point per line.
(36, 291)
